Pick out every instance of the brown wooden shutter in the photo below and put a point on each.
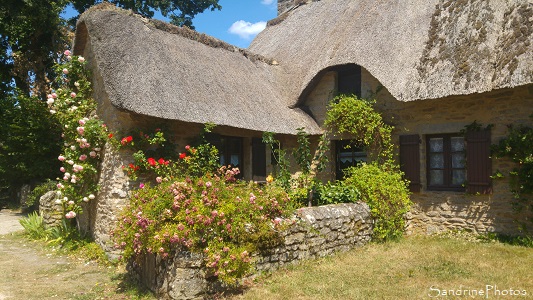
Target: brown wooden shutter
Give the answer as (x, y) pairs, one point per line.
(258, 159)
(410, 160)
(478, 162)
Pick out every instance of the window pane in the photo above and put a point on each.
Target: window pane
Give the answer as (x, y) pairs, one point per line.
(458, 177)
(234, 160)
(458, 160)
(222, 160)
(436, 161)
(458, 144)
(436, 177)
(436, 145)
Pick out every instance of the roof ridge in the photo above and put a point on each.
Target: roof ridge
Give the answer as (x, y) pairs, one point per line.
(185, 32)
(207, 40)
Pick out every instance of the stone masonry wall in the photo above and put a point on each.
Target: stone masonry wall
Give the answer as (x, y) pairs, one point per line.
(320, 231)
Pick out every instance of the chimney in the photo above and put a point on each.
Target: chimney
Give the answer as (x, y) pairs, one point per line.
(284, 5)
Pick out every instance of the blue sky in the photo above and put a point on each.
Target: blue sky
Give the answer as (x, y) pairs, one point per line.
(245, 18)
(237, 23)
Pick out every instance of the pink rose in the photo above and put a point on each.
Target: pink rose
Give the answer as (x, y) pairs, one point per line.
(61, 158)
(83, 157)
(65, 71)
(67, 52)
(70, 215)
(81, 130)
(73, 95)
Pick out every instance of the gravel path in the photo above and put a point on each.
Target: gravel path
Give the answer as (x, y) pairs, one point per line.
(9, 222)
(30, 270)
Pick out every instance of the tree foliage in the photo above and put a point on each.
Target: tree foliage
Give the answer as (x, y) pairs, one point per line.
(31, 34)
(29, 142)
(180, 12)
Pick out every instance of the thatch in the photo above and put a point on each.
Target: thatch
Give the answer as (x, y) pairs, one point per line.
(159, 70)
(418, 49)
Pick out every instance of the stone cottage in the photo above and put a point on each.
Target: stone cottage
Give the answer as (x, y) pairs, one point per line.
(434, 67)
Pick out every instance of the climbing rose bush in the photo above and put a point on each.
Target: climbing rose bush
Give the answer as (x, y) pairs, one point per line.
(84, 134)
(216, 215)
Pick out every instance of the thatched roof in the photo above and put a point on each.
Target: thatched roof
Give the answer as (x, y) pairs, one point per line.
(418, 49)
(156, 69)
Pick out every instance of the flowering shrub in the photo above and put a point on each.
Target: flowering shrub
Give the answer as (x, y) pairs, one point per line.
(194, 161)
(84, 134)
(216, 215)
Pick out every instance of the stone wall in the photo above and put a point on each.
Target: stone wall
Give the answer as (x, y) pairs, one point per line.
(319, 231)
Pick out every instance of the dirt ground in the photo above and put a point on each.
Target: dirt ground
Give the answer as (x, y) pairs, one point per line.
(29, 270)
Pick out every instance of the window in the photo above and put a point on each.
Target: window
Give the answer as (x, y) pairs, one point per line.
(349, 80)
(454, 162)
(229, 150)
(446, 162)
(347, 155)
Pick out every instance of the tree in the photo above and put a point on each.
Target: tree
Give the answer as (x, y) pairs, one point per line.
(180, 12)
(29, 143)
(31, 34)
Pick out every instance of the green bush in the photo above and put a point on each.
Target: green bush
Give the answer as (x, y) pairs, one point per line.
(39, 191)
(349, 115)
(335, 192)
(387, 195)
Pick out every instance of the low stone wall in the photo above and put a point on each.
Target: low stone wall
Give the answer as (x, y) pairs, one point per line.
(319, 231)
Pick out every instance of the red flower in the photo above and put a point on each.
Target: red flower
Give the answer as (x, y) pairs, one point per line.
(126, 140)
(151, 162)
(161, 161)
(187, 147)
(110, 135)
(183, 155)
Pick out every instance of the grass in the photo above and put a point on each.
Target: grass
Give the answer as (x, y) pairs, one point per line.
(413, 268)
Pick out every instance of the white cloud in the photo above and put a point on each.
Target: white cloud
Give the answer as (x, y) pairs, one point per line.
(267, 2)
(246, 29)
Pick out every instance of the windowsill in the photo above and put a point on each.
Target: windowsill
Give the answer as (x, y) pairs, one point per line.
(445, 189)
